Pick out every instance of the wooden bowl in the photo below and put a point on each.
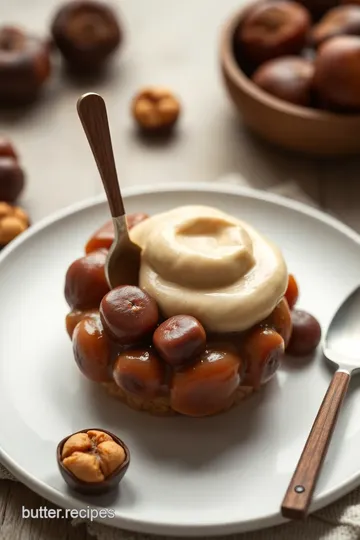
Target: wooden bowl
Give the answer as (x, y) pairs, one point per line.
(289, 126)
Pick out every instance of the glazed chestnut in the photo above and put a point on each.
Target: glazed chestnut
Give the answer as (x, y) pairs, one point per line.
(7, 148)
(209, 386)
(77, 315)
(85, 281)
(263, 351)
(24, 66)
(87, 33)
(92, 350)
(180, 339)
(272, 29)
(306, 334)
(156, 110)
(128, 314)
(140, 372)
(292, 292)
(104, 237)
(288, 78)
(338, 21)
(337, 74)
(280, 320)
(12, 178)
(92, 461)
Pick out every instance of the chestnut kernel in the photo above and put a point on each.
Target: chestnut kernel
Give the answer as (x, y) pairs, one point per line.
(289, 78)
(180, 339)
(87, 33)
(128, 314)
(85, 281)
(272, 29)
(12, 179)
(156, 110)
(77, 315)
(92, 461)
(263, 351)
(13, 221)
(24, 66)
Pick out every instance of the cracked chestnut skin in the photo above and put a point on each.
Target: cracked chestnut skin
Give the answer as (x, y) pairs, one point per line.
(87, 33)
(24, 66)
(110, 482)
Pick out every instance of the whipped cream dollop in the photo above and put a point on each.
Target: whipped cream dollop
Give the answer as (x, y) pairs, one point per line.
(199, 261)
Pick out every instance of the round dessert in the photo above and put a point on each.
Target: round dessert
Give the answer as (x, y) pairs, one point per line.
(207, 324)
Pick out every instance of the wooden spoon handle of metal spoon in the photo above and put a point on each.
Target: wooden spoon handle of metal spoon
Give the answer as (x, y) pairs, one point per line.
(301, 488)
(92, 112)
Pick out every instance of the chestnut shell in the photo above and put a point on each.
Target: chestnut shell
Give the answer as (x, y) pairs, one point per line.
(99, 488)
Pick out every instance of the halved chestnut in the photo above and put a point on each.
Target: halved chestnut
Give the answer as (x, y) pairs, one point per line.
(92, 461)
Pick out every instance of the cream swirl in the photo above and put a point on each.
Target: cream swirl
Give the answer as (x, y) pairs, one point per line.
(199, 261)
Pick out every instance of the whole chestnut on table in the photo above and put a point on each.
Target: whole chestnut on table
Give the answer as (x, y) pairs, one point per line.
(24, 66)
(12, 178)
(7, 148)
(339, 21)
(272, 29)
(337, 74)
(92, 461)
(289, 78)
(86, 33)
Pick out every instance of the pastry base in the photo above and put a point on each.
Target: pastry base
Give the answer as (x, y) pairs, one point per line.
(161, 406)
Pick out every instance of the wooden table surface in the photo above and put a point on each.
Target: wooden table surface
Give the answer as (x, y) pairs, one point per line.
(161, 48)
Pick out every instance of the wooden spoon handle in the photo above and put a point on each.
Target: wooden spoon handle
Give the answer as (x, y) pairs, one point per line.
(92, 112)
(299, 494)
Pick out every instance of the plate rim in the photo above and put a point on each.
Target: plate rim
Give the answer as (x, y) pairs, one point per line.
(152, 527)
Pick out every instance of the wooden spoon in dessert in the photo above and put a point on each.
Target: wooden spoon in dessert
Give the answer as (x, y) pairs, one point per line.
(123, 260)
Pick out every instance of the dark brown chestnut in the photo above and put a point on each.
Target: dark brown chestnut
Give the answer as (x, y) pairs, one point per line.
(92, 461)
(7, 148)
(12, 179)
(104, 236)
(342, 20)
(24, 66)
(289, 78)
(337, 74)
(128, 314)
(318, 8)
(306, 334)
(180, 339)
(87, 33)
(272, 29)
(85, 281)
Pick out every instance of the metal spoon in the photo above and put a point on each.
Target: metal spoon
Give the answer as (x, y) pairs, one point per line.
(342, 348)
(123, 260)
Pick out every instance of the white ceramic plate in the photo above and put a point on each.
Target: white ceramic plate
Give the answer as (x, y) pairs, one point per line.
(187, 476)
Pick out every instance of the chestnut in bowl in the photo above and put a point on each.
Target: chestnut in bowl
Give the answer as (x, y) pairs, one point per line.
(306, 130)
(109, 483)
(342, 20)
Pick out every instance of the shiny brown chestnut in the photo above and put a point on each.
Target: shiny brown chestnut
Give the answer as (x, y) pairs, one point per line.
(24, 66)
(104, 236)
(342, 20)
(86, 33)
(180, 339)
(12, 178)
(337, 74)
(289, 78)
(272, 29)
(105, 485)
(128, 314)
(306, 334)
